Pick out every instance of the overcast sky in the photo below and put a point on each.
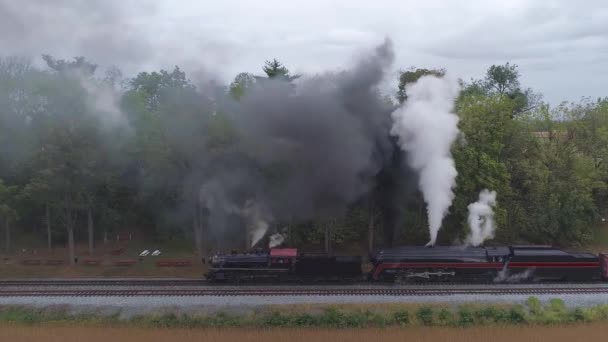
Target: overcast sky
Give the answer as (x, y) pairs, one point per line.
(560, 46)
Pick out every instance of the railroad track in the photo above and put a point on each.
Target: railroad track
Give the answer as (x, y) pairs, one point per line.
(300, 292)
(203, 282)
(104, 282)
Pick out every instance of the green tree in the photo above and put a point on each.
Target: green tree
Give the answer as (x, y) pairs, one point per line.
(411, 76)
(485, 123)
(502, 79)
(242, 82)
(79, 64)
(8, 213)
(276, 70)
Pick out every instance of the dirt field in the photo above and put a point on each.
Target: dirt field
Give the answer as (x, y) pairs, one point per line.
(592, 332)
(12, 265)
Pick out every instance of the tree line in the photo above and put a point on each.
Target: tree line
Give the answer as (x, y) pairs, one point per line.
(83, 155)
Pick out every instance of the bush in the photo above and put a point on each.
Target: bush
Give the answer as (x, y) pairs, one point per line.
(517, 315)
(425, 315)
(465, 317)
(445, 317)
(378, 319)
(554, 313)
(169, 320)
(305, 320)
(357, 319)
(534, 306)
(557, 305)
(332, 318)
(486, 315)
(21, 314)
(578, 315)
(401, 317)
(275, 319)
(222, 319)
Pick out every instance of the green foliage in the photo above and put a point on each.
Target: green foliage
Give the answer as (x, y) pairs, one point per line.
(548, 165)
(517, 315)
(276, 70)
(242, 82)
(490, 314)
(276, 319)
(425, 315)
(464, 316)
(7, 202)
(503, 78)
(534, 305)
(411, 76)
(445, 317)
(401, 317)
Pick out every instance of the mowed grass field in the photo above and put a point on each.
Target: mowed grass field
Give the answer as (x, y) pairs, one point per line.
(571, 333)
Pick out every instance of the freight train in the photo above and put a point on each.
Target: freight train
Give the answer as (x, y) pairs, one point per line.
(523, 263)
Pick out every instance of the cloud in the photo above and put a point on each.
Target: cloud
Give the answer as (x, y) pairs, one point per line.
(466, 37)
(101, 30)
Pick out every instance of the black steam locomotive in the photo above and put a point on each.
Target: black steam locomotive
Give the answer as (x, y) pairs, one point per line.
(414, 264)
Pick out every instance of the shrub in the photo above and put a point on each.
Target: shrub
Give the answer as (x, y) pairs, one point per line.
(578, 315)
(21, 314)
(534, 306)
(465, 317)
(486, 314)
(401, 317)
(378, 319)
(356, 319)
(557, 305)
(517, 315)
(305, 320)
(445, 317)
(333, 318)
(275, 319)
(222, 319)
(425, 315)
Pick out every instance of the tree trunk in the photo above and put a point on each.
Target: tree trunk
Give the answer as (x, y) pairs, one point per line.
(90, 230)
(328, 233)
(72, 255)
(49, 237)
(70, 231)
(7, 228)
(197, 227)
(370, 230)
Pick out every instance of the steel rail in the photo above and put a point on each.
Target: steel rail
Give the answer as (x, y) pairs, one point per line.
(300, 292)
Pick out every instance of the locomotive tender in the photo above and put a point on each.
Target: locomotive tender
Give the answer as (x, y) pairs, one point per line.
(414, 264)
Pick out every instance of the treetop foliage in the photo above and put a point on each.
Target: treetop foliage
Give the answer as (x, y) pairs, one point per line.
(60, 164)
(276, 70)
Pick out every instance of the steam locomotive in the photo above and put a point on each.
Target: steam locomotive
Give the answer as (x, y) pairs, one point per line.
(522, 263)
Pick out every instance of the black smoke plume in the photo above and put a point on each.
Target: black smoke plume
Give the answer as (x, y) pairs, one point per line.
(308, 150)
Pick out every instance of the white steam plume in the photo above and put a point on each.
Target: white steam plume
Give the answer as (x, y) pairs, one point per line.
(426, 127)
(481, 218)
(276, 240)
(258, 221)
